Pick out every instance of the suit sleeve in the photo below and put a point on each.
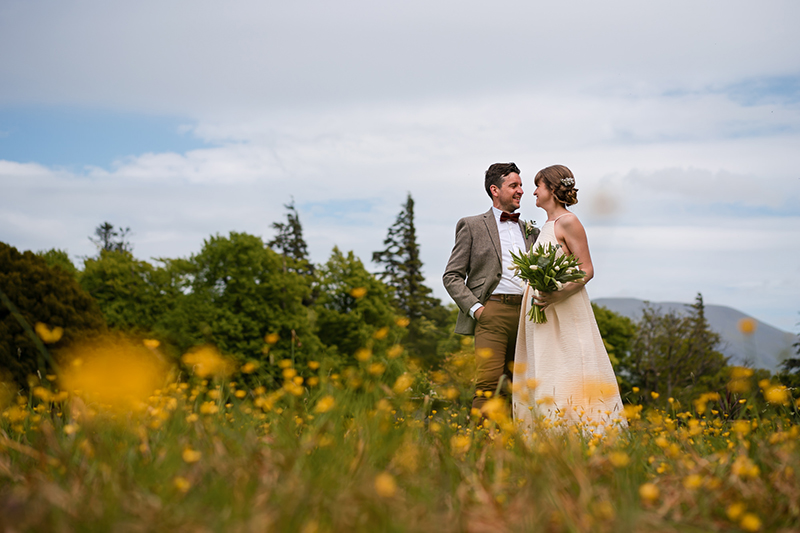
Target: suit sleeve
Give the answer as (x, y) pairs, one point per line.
(458, 267)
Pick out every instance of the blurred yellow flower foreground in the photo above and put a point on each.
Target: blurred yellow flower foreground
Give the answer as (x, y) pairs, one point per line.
(112, 373)
(373, 442)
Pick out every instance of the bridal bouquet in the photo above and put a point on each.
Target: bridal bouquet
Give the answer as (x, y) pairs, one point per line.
(545, 271)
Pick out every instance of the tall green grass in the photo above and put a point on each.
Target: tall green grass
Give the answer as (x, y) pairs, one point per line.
(382, 445)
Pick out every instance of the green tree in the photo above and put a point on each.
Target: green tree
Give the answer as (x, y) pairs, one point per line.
(133, 295)
(675, 354)
(402, 270)
(237, 292)
(289, 242)
(354, 307)
(789, 374)
(617, 332)
(111, 240)
(43, 294)
(59, 258)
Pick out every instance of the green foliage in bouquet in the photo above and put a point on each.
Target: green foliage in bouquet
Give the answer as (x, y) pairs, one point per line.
(546, 271)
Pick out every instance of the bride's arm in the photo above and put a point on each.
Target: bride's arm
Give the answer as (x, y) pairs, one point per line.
(570, 232)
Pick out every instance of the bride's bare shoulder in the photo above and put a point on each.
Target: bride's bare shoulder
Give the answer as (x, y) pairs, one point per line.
(569, 221)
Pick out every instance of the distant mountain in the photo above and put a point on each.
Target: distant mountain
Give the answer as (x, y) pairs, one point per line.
(765, 348)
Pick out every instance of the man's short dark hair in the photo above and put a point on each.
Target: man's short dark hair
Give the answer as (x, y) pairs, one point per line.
(496, 174)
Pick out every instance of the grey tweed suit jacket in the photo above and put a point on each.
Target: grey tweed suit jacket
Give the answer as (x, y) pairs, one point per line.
(475, 265)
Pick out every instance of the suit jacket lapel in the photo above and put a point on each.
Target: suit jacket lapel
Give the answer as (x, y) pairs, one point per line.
(494, 234)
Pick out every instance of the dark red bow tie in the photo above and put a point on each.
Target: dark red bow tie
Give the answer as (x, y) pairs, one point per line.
(513, 217)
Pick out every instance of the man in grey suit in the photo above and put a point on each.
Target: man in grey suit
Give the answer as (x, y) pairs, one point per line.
(477, 277)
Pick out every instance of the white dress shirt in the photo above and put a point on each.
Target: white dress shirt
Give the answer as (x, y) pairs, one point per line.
(510, 239)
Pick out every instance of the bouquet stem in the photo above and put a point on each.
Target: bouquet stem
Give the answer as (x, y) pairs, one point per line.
(536, 314)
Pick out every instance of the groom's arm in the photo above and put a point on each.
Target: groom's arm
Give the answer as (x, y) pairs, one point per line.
(458, 267)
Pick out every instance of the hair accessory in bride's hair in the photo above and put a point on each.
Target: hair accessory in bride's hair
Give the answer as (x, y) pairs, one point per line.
(569, 182)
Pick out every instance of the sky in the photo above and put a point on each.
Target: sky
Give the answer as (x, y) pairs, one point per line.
(186, 119)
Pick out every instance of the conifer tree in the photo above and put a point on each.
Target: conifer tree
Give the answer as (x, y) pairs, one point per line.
(289, 242)
(403, 266)
(403, 272)
(790, 371)
(112, 240)
(675, 354)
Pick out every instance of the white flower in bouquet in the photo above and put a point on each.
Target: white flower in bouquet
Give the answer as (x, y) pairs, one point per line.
(546, 271)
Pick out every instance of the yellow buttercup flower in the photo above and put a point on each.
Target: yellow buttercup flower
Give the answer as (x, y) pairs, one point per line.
(112, 372)
(747, 326)
(191, 456)
(402, 383)
(358, 292)
(451, 393)
(325, 404)
(395, 351)
(209, 408)
(777, 395)
(385, 485)
(742, 427)
(460, 444)
(484, 353)
(48, 336)
(182, 484)
(648, 492)
(750, 522)
(206, 361)
(376, 369)
(693, 481)
(735, 510)
(619, 459)
(249, 367)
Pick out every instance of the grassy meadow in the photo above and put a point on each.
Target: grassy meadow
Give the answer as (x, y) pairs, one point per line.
(120, 440)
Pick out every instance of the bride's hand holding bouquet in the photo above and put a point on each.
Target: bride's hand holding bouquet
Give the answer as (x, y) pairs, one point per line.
(546, 272)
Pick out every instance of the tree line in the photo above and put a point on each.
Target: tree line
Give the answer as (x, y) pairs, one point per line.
(263, 302)
(256, 301)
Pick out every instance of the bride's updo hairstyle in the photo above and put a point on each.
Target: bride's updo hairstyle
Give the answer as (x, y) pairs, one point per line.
(560, 182)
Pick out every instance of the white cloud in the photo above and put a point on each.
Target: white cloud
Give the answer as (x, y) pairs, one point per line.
(349, 106)
(201, 57)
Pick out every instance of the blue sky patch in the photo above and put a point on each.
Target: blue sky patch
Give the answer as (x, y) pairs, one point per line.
(776, 90)
(780, 90)
(73, 138)
(345, 211)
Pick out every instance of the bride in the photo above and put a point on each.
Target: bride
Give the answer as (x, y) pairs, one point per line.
(562, 373)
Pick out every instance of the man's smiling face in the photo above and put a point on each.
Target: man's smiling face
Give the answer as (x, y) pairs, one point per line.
(508, 196)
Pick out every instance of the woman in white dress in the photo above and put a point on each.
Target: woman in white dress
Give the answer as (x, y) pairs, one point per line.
(562, 373)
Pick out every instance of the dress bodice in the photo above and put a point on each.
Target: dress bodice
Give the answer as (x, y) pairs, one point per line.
(547, 235)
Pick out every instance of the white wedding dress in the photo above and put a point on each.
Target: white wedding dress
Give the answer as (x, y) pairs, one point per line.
(562, 373)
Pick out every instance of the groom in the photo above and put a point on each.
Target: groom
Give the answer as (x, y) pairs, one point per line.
(478, 279)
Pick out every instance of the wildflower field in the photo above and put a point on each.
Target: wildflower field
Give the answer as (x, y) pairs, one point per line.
(376, 445)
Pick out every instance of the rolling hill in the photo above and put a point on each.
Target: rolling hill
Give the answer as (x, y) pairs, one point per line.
(765, 348)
